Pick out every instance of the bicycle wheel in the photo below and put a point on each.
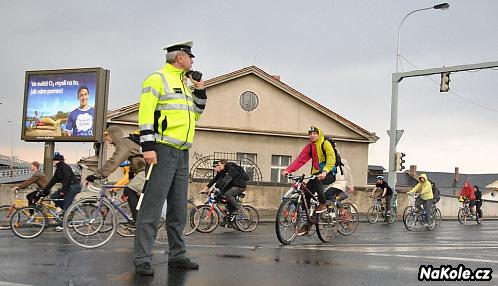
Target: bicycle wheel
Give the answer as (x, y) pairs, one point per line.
(349, 219)
(162, 235)
(391, 218)
(84, 223)
(287, 220)
(431, 225)
(372, 214)
(437, 216)
(193, 219)
(248, 219)
(6, 212)
(209, 219)
(478, 218)
(125, 228)
(462, 216)
(410, 221)
(326, 226)
(28, 222)
(408, 209)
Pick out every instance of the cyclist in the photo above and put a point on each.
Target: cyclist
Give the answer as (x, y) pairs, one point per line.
(70, 184)
(37, 178)
(468, 192)
(343, 182)
(478, 195)
(231, 180)
(127, 148)
(424, 187)
(323, 163)
(387, 194)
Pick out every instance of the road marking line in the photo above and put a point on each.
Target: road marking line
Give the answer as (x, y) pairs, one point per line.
(435, 257)
(3, 283)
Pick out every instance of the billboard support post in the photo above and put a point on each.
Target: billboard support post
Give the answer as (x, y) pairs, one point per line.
(48, 159)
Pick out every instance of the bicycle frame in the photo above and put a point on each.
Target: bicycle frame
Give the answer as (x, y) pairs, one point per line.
(103, 197)
(299, 191)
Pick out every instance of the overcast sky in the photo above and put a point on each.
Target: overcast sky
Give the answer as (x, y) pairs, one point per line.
(340, 53)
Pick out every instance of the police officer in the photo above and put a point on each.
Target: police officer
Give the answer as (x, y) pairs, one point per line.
(167, 116)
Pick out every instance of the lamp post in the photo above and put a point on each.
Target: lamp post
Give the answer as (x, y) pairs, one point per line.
(442, 6)
(11, 147)
(394, 133)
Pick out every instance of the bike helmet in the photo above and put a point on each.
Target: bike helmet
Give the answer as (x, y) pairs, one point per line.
(380, 177)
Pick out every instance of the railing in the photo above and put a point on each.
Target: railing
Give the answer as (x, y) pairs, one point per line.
(16, 163)
(16, 175)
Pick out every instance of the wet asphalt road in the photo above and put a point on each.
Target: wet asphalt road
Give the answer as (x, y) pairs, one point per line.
(377, 254)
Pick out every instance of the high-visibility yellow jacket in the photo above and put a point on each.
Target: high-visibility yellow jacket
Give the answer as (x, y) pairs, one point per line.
(169, 109)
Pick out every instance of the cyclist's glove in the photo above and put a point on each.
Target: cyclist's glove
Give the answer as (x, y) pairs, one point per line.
(91, 178)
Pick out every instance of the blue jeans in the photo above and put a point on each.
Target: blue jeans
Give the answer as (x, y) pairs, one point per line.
(69, 196)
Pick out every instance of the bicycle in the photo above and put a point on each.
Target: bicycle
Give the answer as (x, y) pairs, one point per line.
(464, 212)
(435, 211)
(378, 210)
(30, 222)
(413, 216)
(193, 219)
(294, 209)
(246, 220)
(92, 222)
(6, 211)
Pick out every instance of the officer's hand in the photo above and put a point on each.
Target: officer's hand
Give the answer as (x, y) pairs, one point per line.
(150, 157)
(197, 84)
(284, 173)
(322, 175)
(351, 189)
(91, 178)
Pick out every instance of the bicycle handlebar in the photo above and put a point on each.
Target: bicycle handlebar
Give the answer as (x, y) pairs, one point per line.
(300, 178)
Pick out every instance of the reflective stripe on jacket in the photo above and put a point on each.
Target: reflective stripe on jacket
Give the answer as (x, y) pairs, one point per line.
(168, 109)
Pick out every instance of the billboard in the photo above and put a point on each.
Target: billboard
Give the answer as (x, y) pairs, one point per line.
(65, 105)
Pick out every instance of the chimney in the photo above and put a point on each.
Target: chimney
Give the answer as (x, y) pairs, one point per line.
(413, 171)
(277, 77)
(457, 174)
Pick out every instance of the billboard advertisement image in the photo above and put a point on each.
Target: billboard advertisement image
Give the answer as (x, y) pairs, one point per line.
(65, 105)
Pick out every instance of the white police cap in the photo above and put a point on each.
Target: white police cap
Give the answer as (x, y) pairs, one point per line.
(183, 46)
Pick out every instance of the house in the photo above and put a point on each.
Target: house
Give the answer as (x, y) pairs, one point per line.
(260, 122)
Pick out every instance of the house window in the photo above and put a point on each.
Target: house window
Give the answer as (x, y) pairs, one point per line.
(249, 100)
(245, 162)
(279, 163)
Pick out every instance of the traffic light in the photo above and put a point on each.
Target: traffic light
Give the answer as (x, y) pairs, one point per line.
(400, 161)
(445, 82)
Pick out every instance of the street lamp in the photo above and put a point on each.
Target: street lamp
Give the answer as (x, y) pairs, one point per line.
(394, 133)
(442, 6)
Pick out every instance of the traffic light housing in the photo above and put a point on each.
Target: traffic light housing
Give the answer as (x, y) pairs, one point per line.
(400, 161)
(445, 82)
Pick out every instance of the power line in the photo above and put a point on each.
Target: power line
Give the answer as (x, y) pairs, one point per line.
(452, 92)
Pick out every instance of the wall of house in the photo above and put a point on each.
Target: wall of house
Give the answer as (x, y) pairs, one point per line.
(276, 110)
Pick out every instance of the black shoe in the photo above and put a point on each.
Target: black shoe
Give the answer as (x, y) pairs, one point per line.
(144, 269)
(184, 263)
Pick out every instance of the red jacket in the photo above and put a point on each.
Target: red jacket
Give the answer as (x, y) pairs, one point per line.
(468, 192)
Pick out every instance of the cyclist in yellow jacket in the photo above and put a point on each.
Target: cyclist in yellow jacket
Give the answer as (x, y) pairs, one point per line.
(424, 187)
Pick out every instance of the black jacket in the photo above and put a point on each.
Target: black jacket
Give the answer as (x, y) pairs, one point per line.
(63, 174)
(231, 176)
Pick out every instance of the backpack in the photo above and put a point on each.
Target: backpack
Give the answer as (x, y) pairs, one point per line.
(338, 161)
(242, 172)
(435, 193)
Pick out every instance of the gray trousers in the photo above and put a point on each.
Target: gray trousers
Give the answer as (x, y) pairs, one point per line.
(168, 180)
